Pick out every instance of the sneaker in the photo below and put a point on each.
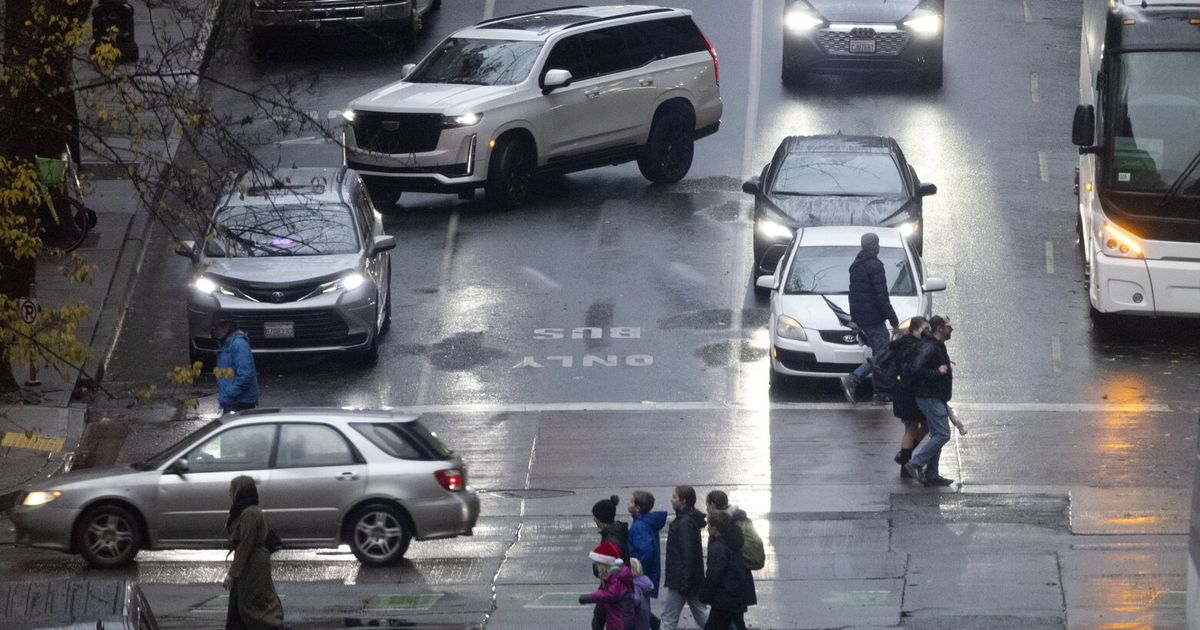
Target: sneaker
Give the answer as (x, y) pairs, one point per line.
(900, 458)
(848, 387)
(938, 480)
(904, 474)
(917, 472)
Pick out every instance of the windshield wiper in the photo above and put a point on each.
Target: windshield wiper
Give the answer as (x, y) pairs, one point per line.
(1175, 187)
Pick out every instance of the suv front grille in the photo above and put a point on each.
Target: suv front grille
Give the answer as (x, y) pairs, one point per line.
(887, 44)
(397, 133)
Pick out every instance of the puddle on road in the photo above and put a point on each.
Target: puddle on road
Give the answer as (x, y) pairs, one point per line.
(461, 351)
(727, 353)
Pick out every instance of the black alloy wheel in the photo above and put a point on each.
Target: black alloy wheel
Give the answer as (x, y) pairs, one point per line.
(108, 536)
(412, 30)
(509, 173)
(378, 535)
(668, 154)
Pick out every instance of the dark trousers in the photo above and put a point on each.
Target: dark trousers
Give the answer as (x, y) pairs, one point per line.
(721, 619)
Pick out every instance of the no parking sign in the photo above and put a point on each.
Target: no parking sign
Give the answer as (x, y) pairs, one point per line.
(28, 309)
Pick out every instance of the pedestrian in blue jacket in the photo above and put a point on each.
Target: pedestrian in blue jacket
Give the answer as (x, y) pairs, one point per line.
(237, 380)
(643, 540)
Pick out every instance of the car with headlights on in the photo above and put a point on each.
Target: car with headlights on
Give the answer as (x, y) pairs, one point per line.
(373, 480)
(836, 36)
(299, 259)
(807, 337)
(834, 180)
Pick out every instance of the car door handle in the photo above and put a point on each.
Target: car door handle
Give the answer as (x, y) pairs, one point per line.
(592, 93)
(646, 82)
(347, 476)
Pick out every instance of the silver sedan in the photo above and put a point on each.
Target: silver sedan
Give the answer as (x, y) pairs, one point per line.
(371, 479)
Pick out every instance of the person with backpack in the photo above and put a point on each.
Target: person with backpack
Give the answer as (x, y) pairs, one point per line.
(615, 597)
(870, 308)
(641, 596)
(727, 587)
(613, 532)
(684, 571)
(754, 556)
(904, 404)
(933, 381)
(643, 540)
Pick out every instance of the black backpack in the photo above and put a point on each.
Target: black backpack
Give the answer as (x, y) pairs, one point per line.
(885, 369)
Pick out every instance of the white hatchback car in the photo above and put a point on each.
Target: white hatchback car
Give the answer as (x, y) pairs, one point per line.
(807, 337)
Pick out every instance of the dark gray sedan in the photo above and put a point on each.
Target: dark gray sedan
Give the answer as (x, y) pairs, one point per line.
(371, 479)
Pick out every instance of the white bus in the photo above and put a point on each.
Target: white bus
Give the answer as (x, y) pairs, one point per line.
(1138, 132)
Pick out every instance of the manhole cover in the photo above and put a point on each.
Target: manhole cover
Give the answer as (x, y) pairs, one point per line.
(532, 493)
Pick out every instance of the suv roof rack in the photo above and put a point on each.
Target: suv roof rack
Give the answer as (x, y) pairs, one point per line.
(614, 17)
(509, 17)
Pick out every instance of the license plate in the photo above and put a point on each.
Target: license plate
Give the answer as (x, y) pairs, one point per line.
(858, 45)
(279, 330)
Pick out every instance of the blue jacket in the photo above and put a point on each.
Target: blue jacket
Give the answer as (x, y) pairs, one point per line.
(243, 387)
(643, 545)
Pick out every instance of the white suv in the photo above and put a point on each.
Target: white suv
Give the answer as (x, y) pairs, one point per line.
(548, 91)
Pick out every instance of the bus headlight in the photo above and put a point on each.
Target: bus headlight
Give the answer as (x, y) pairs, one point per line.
(1119, 242)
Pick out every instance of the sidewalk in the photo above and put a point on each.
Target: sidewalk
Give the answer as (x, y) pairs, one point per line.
(40, 436)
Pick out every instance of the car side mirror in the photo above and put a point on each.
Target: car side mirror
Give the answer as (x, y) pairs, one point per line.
(383, 243)
(1083, 128)
(178, 467)
(407, 69)
(765, 282)
(926, 189)
(187, 249)
(555, 79)
(934, 284)
(751, 187)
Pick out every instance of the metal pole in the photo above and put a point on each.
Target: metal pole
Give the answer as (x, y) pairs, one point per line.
(32, 381)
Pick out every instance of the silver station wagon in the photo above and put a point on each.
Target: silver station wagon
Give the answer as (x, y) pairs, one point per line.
(373, 480)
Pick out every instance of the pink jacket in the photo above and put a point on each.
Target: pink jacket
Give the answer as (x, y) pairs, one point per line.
(616, 595)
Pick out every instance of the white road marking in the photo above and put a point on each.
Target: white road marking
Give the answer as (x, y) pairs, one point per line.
(1028, 12)
(443, 273)
(1043, 166)
(1034, 92)
(304, 140)
(1050, 257)
(541, 277)
(1181, 406)
(1056, 352)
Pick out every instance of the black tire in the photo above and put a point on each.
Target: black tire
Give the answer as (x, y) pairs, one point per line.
(387, 309)
(436, 6)
(1103, 323)
(75, 220)
(668, 153)
(378, 535)
(369, 356)
(382, 191)
(412, 30)
(108, 536)
(509, 173)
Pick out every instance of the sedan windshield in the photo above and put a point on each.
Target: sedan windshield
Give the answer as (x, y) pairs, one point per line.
(477, 62)
(825, 270)
(855, 174)
(1157, 122)
(283, 230)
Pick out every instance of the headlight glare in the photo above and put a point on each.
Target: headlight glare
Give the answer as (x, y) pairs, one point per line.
(34, 499)
(348, 115)
(925, 24)
(801, 21)
(204, 285)
(908, 228)
(462, 120)
(352, 281)
(774, 229)
(789, 328)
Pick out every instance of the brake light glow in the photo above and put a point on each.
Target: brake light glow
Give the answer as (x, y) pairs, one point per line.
(452, 479)
(716, 64)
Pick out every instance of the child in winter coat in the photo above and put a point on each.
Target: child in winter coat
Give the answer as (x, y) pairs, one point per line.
(642, 588)
(616, 594)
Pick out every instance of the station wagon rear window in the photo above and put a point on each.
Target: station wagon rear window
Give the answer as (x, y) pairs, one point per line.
(404, 440)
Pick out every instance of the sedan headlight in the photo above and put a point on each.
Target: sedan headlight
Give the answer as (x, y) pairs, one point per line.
(463, 120)
(789, 328)
(34, 499)
(924, 23)
(774, 230)
(348, 115)
(205, 285)
(801, 20)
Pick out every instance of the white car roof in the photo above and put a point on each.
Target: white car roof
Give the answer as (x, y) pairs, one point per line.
(849, 235)
(495, 29)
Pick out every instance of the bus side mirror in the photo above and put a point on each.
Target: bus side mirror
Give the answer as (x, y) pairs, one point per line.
(1083, 128)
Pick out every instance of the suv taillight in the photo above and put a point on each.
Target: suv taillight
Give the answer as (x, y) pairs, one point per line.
(452, 479)
(716, 64)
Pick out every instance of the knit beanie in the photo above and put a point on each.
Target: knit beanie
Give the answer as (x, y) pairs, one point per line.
(605, 510)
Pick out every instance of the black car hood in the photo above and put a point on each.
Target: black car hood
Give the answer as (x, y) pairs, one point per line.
(865, 11)
(812, 211)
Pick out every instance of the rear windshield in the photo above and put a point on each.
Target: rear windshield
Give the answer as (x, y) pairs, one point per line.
(477, 62)
(850, 174)
(826, 271)
(283, 230)
(404, 440)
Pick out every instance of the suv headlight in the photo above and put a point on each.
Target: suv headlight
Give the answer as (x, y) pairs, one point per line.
(34, 499)
(774, 229)
(1116, 241)
(802, 18)
(348, 115)
(462, 120)
(924, 22)
(205, 285)
(789, 328)
(352, 281)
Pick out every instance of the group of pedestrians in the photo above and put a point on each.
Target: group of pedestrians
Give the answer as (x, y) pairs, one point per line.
(911, 369)
(629, 563)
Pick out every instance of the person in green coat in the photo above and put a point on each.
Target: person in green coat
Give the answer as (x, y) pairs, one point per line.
(253, 602)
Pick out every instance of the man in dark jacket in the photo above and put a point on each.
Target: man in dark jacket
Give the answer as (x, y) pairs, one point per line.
(684, 573)
(726, 588)
(870, 308)
(604, 515)
(933, 383)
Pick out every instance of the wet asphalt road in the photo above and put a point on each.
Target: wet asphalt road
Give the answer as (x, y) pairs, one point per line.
(1076, 472)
